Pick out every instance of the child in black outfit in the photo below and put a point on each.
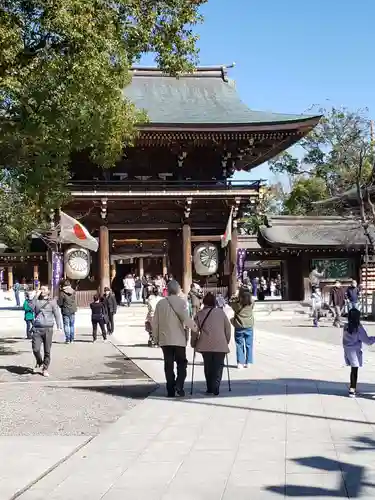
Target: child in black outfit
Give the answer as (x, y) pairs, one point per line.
(98, 317)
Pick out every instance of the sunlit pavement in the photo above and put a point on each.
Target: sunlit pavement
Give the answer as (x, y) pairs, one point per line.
(287, 429)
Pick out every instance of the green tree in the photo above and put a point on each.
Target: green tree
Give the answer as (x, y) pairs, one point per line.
(337, 157)
(271, 202)
(63, 68)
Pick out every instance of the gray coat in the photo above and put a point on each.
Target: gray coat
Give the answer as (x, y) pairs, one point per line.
(46, 314)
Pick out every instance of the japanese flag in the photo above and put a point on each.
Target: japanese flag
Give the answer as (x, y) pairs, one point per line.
(72, 231)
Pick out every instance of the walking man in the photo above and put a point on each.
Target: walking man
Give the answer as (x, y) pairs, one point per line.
(68, 305)
(337, 302)
(169, 330)
(16, 290)
(129, 286)
(110, 305)
(46, 313)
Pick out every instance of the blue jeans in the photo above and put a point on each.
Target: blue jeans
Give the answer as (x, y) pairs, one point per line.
(244, 345)
(29, 328)
(68, 321)
(17, 297)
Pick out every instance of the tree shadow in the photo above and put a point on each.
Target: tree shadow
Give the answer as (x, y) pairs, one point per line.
(351, 478)
(119, 367)
(5, 349)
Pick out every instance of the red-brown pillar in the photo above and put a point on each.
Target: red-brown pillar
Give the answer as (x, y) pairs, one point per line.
(186, 258)
(233, 262)
(104, 258)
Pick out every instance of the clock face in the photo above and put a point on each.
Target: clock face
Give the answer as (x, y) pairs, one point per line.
(206, 259)
(77, 263)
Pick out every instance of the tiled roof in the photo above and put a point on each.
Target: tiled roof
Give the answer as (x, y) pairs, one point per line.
(287, 231)
(206, 96)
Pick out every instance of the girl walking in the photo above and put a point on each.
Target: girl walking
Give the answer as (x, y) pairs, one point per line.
(98, 317)
(243, 322)
(353, 336)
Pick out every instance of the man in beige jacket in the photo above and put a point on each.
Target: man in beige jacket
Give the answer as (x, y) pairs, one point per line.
(169, 330)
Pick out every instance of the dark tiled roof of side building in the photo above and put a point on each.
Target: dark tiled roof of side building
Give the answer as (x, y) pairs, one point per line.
(206, 96)
(300, 232)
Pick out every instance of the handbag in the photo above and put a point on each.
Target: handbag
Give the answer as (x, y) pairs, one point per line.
(200, 329)
(235, 317)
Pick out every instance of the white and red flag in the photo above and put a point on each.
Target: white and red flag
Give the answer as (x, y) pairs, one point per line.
(72, 231)
(227, 236)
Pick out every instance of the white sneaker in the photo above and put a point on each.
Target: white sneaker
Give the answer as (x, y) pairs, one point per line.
(36, 369)
(240, 367)
(246, 366)
(352, 393)
(45, 373)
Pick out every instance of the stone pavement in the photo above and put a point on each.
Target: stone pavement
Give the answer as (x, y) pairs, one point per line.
(287, 429)
(43, 421)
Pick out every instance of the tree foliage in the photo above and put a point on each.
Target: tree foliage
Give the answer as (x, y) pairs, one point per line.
(270, 203)
(63, 68)
(336, 155)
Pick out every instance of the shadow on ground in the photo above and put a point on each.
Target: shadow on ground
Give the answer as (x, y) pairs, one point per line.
(6, 349)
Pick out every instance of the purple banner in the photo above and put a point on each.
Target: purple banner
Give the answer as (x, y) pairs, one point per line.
(57, 269)
(241, 257)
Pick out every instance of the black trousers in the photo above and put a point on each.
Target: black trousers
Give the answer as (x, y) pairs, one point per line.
(101, 323)
(213, 370)
(42, 336)
(353, 377)
(175, 354)
(111, 323)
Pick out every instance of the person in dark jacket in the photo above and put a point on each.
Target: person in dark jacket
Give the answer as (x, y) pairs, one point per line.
(68, 305)
(337, 300)
(352, 295)
(138, 287)
(110, 305)
(98, 317)
(146, 287)
(46, 312)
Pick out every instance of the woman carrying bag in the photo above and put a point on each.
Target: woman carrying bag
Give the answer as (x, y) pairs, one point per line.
(243, 322)
(212, 340)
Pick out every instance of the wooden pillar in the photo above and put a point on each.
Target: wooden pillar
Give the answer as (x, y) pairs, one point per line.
(164, 264)
(233, 261)
(186, 260)
(10, 277)
(104, 258)
(141, 271)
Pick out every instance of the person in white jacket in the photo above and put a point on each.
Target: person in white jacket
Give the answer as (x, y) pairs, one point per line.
(129, 286)
(152, 302)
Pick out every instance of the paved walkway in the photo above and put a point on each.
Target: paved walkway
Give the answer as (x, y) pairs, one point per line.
(287, 429)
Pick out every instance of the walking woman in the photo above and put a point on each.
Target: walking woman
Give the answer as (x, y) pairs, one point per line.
(211, 340)
(353, 336)
(243, 322)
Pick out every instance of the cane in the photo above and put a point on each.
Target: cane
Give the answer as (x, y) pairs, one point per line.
(192, 375)
(229, 386)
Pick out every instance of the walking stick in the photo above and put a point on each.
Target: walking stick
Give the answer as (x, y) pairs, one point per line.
(192, 375)
(229, 385)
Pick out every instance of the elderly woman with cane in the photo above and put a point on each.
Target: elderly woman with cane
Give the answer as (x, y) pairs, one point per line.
(212, 340)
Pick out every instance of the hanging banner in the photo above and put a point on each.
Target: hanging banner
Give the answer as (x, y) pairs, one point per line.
(57, 269)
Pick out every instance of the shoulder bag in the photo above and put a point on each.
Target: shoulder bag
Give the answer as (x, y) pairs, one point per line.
(200, 328)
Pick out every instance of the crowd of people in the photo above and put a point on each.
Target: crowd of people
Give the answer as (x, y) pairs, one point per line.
(341, 301)
(172, 318)
(261, 287)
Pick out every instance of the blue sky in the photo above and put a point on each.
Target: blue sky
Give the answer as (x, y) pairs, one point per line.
(292, 54)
